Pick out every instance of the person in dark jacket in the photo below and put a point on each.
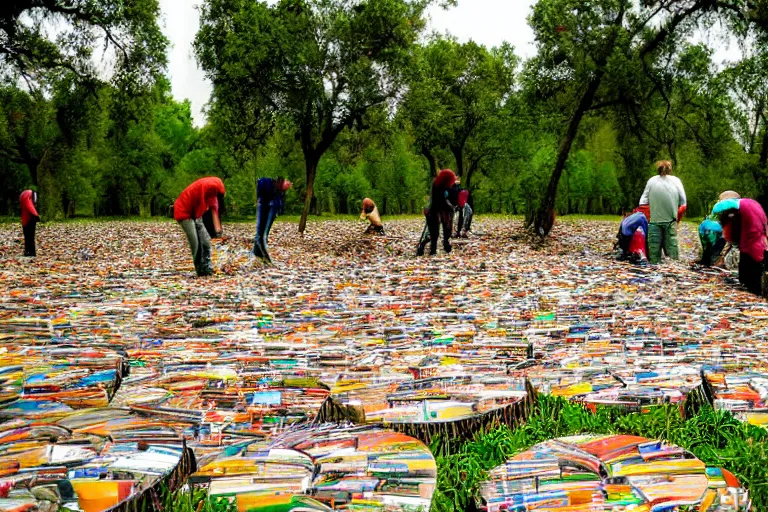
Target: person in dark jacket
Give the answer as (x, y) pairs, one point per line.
(29, 219)
(270, 197)
(205, 194)
(440, 211)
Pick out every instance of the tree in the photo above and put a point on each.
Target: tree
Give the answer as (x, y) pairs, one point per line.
(127, 28)
(455, 90)
(611, 54)
(320, 64)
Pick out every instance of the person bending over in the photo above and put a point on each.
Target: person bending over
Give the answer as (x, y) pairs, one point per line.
(440, 211)
(205, 194)
(371, 214)
(270, 197)
(744, 223)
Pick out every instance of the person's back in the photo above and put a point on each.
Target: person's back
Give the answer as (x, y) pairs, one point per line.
(665, 197)
(753, 229)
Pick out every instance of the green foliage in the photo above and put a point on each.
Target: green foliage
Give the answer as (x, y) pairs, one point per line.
(196, 500)
(383, 108)
(127, 30)
(317, 66)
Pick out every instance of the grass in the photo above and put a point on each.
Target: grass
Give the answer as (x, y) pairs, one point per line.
(715, 437)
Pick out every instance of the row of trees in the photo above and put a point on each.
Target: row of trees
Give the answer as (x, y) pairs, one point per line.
(352, 99)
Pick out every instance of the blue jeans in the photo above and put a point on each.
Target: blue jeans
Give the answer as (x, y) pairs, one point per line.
(266, 212)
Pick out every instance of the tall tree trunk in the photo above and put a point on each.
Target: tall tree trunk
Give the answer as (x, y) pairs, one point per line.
(310, 163)
(431, 160)
(458, 154)
(545, 217)
(473, 166)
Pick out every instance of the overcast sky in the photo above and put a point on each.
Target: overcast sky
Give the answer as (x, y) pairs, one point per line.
(489, 22)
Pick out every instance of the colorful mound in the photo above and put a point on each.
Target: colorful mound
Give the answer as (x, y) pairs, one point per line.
(600, 473)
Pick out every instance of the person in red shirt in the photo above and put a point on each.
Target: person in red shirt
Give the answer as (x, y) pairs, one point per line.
(204, 195)
(29, 219)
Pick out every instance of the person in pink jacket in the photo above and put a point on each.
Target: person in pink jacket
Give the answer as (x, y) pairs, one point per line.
(29, 219)
(745, 224)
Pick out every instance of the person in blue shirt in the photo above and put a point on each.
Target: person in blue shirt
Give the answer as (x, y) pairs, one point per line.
(270, 197)
(633, 238)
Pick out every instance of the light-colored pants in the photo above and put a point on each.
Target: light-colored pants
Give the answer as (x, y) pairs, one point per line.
(199, 244)
(662, 235)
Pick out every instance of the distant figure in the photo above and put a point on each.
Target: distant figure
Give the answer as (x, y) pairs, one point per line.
(632, 238)
(440, 211)
(665, 196)
(371, 214)
(744, 223)
(189, 209)
(29, 219)
(270, 198)
(464, 224)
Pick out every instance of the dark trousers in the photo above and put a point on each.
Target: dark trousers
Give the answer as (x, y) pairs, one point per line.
(265, 217)
(751, 274)
(434, 220)
(465, 219)
(29, 239)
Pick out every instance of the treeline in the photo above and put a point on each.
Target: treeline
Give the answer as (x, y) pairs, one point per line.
(371, 106)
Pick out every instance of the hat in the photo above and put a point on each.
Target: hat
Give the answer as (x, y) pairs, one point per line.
(729, 194)
(725, 205)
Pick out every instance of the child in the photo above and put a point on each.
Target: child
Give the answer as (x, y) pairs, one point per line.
(29, 219)
(371, 214)
(192, 204)
(440, 211)
(270, 196)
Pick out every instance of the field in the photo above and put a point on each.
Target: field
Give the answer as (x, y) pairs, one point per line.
(338, 296)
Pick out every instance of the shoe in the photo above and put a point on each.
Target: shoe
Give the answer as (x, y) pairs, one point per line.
(447, 249)
(257, 251)
(420, 251)
(266, 257)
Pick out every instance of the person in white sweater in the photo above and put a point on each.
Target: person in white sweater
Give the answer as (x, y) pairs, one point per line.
(665, 196)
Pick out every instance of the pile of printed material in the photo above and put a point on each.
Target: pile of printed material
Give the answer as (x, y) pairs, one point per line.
(339, 466)
(114, 358)
(597, 473)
